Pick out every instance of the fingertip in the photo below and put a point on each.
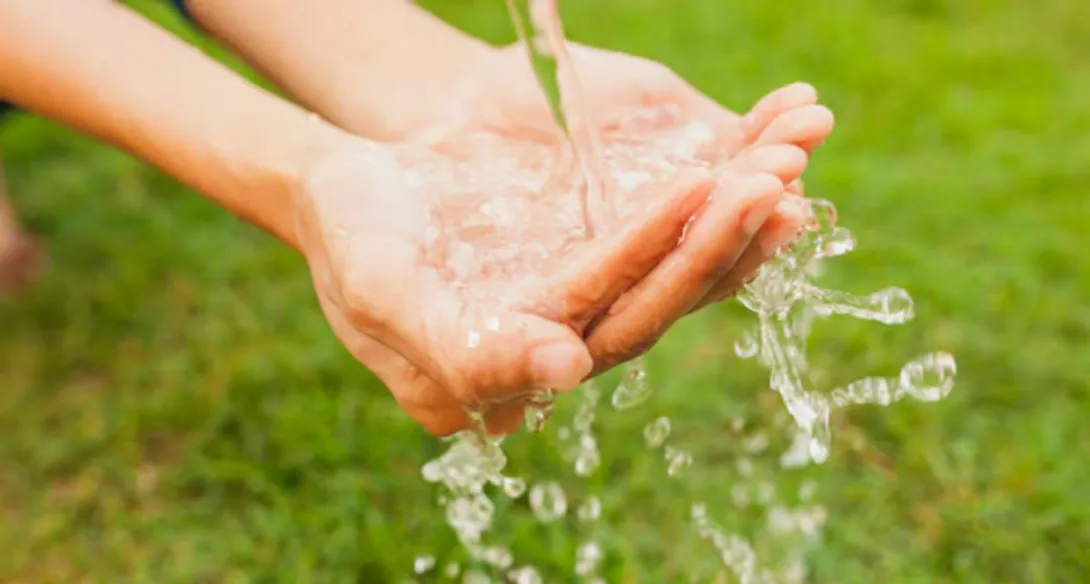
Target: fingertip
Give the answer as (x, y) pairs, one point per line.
(796, 188)
(778, 234)
(821, 125)
(559, 365)
(801, 92)
(788, 97)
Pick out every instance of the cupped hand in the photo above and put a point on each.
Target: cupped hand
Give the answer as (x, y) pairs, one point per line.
(422, 291)
(769, 144)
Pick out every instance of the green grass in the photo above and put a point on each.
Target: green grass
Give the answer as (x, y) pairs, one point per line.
(174, 409)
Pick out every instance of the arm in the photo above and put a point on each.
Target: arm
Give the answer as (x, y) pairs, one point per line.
(380, 68)
(100, 68)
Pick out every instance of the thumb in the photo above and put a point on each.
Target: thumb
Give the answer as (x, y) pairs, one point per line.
(480, 351)
(487, 354)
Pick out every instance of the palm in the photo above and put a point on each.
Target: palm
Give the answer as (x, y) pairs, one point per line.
(444, 264)
(431, 287)
(641, 108)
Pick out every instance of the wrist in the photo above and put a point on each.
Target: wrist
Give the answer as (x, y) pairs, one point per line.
(267, 173)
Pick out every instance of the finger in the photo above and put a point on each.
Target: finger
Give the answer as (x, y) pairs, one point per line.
(771, 106)
(499, 419)
(477, 352)
(747, 128)
(505, 418)
(806, 127)
(488, 353)
(796, 187)
(782, 227)
(609, 265)
(784, 161)
(715, 241)
(435, 408)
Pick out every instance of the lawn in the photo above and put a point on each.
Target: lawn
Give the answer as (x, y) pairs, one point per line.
(174, 408)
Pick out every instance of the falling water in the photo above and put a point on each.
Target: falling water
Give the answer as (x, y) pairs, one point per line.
(783, 298)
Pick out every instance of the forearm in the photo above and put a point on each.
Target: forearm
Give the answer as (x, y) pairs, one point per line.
(380, 68)
(104, 70)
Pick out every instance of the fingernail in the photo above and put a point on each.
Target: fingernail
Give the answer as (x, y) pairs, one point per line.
(559, 366)
(758, 214)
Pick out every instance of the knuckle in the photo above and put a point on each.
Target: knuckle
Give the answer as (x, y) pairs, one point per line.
(617, 349)
(763, 182)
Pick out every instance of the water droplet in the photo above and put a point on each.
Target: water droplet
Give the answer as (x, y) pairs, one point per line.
(633, 389)
(432, 471)
(839, 242)
(470, 516)
(677, 461)
(824, 215)
(588, 457)
(896, 305)
(475, 577)
(524, 575)
(548, 502)
(473, 339)
(514, 487)
(590, 510)
(538, 410)
(929, 378)
(656, 433)
(587, 558)
(423, 564)
(746, 346)
(819, 450)
(497, 556)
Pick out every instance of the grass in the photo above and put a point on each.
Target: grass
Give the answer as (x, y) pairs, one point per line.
(174, 408)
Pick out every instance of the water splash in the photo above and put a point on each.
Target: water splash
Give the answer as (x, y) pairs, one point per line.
(783, 297)
(548, 502)
(539, 27)
(656, 433)
(633, 389)
(786, 302)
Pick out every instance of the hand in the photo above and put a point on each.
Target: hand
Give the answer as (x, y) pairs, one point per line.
(769, 144)
(444, 334)
(400, 74)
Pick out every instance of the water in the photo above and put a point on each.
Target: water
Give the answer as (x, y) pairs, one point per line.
(633, 389)
(538, 25)
(656, 433)
(592, 185)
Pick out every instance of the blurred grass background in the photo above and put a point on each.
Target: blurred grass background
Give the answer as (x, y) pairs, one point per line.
(174, 409)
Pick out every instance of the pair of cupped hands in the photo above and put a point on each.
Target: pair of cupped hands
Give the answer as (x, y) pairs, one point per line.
(443, 351)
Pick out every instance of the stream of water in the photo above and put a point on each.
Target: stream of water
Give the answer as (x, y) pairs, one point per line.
(785, 301)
